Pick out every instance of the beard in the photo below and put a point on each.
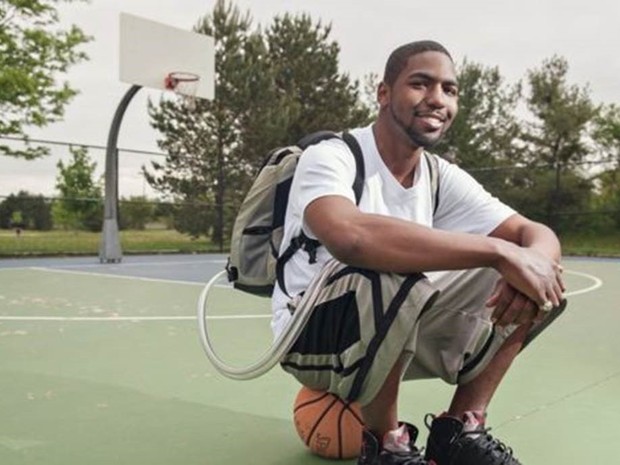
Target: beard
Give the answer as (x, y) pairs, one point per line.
(417, 137)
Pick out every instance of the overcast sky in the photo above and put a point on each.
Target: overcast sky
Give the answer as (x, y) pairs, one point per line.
(513, 35)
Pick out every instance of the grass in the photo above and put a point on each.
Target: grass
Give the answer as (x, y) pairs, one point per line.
(33, 243)
(41, 243)
(591, 245)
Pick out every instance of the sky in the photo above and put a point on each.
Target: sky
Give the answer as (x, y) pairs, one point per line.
(513, 35)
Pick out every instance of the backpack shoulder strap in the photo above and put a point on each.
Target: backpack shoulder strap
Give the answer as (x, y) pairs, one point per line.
(354, 147)
(433, 166)
(315, 138)
(360, 172)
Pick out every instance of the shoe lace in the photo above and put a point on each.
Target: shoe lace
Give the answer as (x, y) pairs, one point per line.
(487, 442)
(428, 419)
(417, 456)
(414, 457)
(492, 445)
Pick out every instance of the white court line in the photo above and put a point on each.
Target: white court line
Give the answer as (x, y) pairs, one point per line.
(117, 276)
(125, 265)
(111, 266)
(597, 284)
(13, 268)
(130, 318)
(597, 281)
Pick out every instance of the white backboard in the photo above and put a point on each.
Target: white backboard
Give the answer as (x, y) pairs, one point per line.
(150, 50)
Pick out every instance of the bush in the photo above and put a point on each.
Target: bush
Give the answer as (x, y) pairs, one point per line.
(26, 210)
(135, 212)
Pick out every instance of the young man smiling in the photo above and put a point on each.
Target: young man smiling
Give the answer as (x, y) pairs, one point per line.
(428, 277)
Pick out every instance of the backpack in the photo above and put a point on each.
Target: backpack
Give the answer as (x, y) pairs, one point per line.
(259, 226)
(255, 264)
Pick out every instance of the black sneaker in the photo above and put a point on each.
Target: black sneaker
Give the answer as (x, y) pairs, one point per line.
(374, 454)
(449, 444)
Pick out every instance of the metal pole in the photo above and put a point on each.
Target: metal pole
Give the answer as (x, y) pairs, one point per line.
(110, 247)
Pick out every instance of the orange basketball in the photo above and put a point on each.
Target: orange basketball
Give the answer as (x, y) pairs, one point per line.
(329, 426)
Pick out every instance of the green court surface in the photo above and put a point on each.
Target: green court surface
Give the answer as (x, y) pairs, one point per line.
(101, 364)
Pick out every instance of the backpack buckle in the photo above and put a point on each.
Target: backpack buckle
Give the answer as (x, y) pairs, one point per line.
(310, 246)
(232, 273)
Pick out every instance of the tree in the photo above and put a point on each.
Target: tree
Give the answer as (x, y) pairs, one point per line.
(201, 145)
(271, 88)
(186, 219)
(607, 136)
(562, 115)
(368, 94)
(17, 219)
(482, 137)
(531, 193)
(35, 211)
(305, 62)
(80, 204)
(33, 55)
(606, 202)
(560, 133)
(163, 214)
(135, 212)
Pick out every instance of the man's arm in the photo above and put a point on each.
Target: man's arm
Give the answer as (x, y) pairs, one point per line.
(528, 233)
(389, 244)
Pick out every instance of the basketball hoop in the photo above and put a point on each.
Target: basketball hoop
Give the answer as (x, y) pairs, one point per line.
(184, 84)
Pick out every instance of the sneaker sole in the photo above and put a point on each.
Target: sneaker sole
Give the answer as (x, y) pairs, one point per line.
(539, 328)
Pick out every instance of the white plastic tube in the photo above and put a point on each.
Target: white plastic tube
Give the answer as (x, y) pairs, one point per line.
(270, 358)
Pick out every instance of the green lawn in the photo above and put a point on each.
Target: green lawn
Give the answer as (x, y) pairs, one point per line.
(592, 245)
(32, 243)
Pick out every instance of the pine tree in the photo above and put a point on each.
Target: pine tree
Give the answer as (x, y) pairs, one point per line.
(272, 87)
(559, 138)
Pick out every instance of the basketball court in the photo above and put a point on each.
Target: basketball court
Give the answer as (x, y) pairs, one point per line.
(101, 363)
(100, 360)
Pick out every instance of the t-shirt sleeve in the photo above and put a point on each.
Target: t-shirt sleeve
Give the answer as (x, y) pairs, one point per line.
(465, 205)
(327, 168)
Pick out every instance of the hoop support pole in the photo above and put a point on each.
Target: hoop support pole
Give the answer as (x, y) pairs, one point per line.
(110, 246)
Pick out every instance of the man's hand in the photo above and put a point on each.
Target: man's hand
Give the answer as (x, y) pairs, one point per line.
(512, 306)
(536, 276)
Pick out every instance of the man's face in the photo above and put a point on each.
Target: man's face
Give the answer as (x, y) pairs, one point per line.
(423, 101)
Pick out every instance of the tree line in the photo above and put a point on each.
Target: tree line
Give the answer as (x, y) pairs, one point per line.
(79, 203)
(541, 144)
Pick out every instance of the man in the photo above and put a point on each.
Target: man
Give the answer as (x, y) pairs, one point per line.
(412, 283)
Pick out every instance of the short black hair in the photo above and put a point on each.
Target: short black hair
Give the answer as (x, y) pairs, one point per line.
(399, 57)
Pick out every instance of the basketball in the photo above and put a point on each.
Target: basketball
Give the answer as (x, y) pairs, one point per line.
(329, 426)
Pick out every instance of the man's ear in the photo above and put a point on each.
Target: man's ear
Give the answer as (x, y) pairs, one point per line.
(383, 94)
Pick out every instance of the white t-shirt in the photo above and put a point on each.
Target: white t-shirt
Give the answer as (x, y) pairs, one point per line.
(328, 168)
